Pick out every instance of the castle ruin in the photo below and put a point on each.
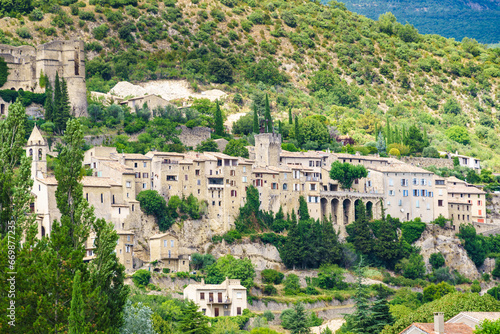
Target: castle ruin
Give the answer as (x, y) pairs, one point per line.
(26, 64)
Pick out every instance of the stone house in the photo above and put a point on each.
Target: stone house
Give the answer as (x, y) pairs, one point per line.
(459, 190)
(152, 101)
(438, 327)
(466, 161)
(226, 299)
(4, 108)
(473, 319)
(164, 252)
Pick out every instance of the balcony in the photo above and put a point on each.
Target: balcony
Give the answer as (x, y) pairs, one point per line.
(311, 178)
(221, 301)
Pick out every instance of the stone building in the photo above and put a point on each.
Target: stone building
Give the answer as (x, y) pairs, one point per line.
(164, 253)
(4, 108)
(226, 299)
(26, 64)
(151, 100)
(460, 191)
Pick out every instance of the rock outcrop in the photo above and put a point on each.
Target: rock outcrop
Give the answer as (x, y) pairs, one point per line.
(455, 255)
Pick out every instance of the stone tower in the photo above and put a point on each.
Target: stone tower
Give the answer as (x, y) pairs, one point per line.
(268, 149)
(37, 148)
(67, 58)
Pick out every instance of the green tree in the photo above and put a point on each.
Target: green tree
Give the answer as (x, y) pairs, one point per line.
(4, 71)
(451, 106)
(244, 125)
(303, 210)
(138, 319)
(436, 260)
(152, 203)
(290, 118)
(459, 134)
(219, 122)
(345, 173)
(360, 320)
(413, 267)
(297, 134)
(381, 315)
(388, 248)
(256, 126)
(236, 148)
(220, 70)
(415, 140)
(228, 266)
(141, 277)
(299, 323)
(488, 327)
(436, 291)
(49, 102)
(77, 315)
(208, 145)
(474, 244)
(360, 234)
(292, 254)
(267, 117)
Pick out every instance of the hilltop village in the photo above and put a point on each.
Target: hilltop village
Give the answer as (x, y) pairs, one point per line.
(402, 190)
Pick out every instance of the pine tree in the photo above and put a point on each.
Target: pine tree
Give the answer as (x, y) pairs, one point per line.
(359, 231)
(77, 315)
(381, 316)
(381, 144)
(57, 116)
(299, 323)
(331, 246)
(49, 103)
(290, 118)
(292, 255)
(267, 117)
(256, 127)
(303, 210)
(192, 321)
(219, 123)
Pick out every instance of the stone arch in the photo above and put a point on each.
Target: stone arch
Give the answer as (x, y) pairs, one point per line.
(31, 152)
(42, 231)
(346, 206)
(40, 154)
(324, 208)
(369, 210)
(335, 210)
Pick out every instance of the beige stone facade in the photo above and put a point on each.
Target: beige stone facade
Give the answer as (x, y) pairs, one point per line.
(26, 64)
(4, 108)
(461, 191)
(226, 299)
(164, 253)
(152, 101)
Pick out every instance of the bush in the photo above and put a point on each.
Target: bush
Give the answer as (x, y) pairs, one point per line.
(475, 287)
(430, 152)
(412, 268)
(23, 33)
(272, 276)
(459, 134)
(268, 315)
(436, 260)
(292, 285)
(166, 270)
(436, 291)
(270, 290)
(182, 274)
(494, 292)
(141, 277)
(394, 151)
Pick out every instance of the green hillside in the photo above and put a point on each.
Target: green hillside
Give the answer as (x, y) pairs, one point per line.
(311, 58)
(478, 19)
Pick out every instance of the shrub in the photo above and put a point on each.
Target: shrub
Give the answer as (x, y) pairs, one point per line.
(268, 315)
(23, 33)
(182, 274)
(289, 19)
(394, 151)
(430, 152)
(36, 15)
(101, 31)
(436, 291)
(270, 290)
(141, 277)
(475, 287)
(272, 276)
(413, 267)
(166, 270)
(292, 285)
(459, 134)
(436, 260)
(494, 292)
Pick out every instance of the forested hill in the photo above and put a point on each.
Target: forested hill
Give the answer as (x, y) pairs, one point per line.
(357, 73)
(479, 19)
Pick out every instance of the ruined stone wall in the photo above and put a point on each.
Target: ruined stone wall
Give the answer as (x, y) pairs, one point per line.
(26, 64)
(193, 137)
(427, 162)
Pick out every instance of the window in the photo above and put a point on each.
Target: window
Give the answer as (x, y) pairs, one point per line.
(404, 182)
(440, 202)
(169, 254)
(128, 237)
(244, 179)
(418, 204)
(478, 202)
(135, 164)
(233, 193)
(238, 295)
(415, 192)
(102, 198)
(430, 194)
(405, 193)
(439, 182)
(423, 193)
(244, 169)
(133, 207)
(400, 202)
(171, 243)
(87, 196)
(440, 192)
(185, 177)
(197, 172)
(238, 311)
(145, 175)
(202, 296)
(391, 193)
(369, 183)
(423, 182)
(144, 186)
(129, 184)
(479, 212)
(415, 181)
(285, 186)
(285, 175)
(312, 186)
(137, 175)
(127, 249)
(232, 173)
(145, 164)
(391, 182)
(164, 243)
(198, 182)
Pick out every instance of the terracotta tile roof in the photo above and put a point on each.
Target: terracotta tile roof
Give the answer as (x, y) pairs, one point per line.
(93, 181)
(119, 167)
(264, 171)
(399, 168)
(463, 189)
(159, 236)
(49, 180)
(133, 156)
(308, 154)
(479, 316)
(448, 328)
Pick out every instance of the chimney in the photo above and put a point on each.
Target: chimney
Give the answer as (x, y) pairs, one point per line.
(202, 281)
(439, 322)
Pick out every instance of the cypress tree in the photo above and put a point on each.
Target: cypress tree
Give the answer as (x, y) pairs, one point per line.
(65, 107)
(267, 117)
(298, 135)
(219, 124)
(292, 255)
(388, 132)
(280, 127)
(57, 114)
(290, 118)
(256, 128)
(303, 210)
(49, 102)
(381, 316)
(76, 314)
(360, 232)
(331, 247)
